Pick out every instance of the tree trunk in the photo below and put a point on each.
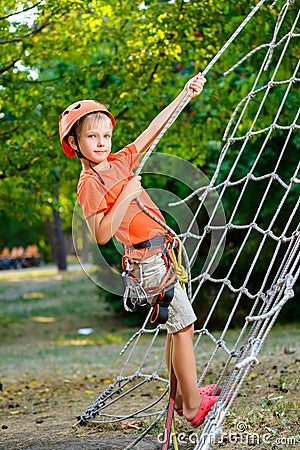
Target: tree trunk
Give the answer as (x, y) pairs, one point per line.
(85, 243)
(60, 242)
(57, 240)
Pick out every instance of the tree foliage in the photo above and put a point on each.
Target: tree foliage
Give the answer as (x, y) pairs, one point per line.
(134, 57)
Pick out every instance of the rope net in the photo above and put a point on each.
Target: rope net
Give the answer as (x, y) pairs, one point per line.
(256, 191)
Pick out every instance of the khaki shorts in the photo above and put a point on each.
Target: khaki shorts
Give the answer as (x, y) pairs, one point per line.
(150, 272)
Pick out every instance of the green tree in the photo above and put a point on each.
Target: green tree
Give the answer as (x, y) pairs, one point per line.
(133, 56)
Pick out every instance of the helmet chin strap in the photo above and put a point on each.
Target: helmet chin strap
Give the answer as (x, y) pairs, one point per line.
(80, 155)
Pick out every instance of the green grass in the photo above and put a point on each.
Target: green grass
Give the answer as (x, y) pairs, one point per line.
(51, 308)
(62, 297)
(44, 319)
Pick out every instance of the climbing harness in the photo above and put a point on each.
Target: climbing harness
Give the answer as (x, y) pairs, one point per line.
(136, 293)
(160, 311)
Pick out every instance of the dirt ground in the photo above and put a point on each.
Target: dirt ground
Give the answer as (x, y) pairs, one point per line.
(41, 413)
(43, 391)
(43, 416)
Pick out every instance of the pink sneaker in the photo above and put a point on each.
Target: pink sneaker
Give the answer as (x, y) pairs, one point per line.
(179, 411)
(205, 390)
(205, 406)
(210, 390)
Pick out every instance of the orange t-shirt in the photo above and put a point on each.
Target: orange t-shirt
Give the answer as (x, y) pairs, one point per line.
(94, 197)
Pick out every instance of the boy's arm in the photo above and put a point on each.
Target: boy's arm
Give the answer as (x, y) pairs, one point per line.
(103, 227)
(146, 138)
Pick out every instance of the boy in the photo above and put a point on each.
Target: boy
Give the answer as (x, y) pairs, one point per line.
(107, 191)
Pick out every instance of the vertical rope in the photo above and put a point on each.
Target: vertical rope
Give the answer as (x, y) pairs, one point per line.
(186, 99)
(170, 423)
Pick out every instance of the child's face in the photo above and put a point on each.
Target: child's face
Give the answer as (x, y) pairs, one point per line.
(95, 142)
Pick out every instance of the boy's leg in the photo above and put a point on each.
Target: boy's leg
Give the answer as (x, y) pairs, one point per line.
(184, 366)
(180, 325)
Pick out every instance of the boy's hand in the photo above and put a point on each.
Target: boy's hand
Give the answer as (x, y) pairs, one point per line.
(196, 84)
(133, 188)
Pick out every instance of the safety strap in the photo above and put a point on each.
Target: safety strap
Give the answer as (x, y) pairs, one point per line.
(154, 242)
(160, 311)
(170, 421)
(159, 244)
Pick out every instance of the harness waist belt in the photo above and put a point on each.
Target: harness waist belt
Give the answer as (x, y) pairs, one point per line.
(157, 240)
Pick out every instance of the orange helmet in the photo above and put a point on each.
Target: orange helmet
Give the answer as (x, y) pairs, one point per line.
(74, 112)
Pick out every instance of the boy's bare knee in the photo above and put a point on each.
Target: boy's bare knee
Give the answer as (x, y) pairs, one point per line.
(186, 329)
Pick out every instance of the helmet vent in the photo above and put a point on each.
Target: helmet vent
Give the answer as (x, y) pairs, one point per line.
(78, 106)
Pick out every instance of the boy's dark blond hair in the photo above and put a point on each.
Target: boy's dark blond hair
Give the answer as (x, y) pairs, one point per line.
(92, 121)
